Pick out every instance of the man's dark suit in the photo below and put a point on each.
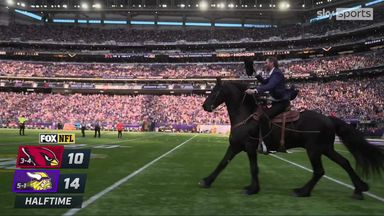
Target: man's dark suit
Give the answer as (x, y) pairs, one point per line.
(275, 84)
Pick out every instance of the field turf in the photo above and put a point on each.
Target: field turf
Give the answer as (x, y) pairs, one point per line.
(166, 184)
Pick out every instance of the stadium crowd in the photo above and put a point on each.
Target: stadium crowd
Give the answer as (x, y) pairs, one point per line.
(33, 69)
(360, 99)
(51, 108)
(70, 33)
(325, 66)
(318, 66)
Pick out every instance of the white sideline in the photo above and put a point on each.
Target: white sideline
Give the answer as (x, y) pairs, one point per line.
(329, 178)
(122, 181)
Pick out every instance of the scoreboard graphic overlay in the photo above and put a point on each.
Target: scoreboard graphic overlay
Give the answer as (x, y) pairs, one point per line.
(39, 181)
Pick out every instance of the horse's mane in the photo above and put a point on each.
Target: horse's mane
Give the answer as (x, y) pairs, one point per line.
(237, 84)
(241, 87)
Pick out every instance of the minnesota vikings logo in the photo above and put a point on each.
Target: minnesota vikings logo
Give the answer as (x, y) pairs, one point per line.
(40, 157)
(40, 181)
(36, 181)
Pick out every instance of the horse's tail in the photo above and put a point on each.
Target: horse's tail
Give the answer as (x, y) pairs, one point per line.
(369, 157)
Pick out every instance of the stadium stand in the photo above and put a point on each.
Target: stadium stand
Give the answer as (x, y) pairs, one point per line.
(317, 66)
(350, 99)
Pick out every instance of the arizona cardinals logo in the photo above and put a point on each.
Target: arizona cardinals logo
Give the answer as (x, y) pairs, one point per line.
(43, 157)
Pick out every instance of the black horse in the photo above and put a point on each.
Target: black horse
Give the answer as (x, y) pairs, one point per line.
(244, 137)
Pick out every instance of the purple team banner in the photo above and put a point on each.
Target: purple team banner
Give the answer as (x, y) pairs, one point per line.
(35, 181)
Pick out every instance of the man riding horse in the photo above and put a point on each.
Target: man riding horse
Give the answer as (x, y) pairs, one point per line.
(275, 85)
(310, 130)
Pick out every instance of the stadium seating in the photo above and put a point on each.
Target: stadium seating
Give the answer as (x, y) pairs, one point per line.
(350, 99)
(68, 33)
(317, 66)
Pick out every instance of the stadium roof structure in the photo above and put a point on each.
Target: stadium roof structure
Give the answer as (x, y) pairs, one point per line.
(178, 5)
(230, 13)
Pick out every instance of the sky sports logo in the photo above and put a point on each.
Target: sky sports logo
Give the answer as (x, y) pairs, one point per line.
(347, 14)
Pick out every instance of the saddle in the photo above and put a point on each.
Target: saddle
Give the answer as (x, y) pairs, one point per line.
(287, 116)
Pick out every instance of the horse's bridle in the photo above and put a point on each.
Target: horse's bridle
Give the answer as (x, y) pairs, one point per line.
(214, 99)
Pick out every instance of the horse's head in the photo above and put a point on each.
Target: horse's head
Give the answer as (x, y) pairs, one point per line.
(216, 97)
(231, 93)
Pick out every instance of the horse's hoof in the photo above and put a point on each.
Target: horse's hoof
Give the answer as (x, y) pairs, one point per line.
(357, 195)
(364, 187)
(204, 184)
(248, 190)
(298, 192)
(247, 187)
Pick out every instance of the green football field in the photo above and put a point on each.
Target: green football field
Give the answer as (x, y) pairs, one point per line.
(157, 174)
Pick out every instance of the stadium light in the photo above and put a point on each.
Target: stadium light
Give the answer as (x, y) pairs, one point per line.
(65, 6)
(22, 4)
(203, 5)
(84, 5)
(284, 5)
(231, 5)
(10, 2)
(97, 6)
(221, 5)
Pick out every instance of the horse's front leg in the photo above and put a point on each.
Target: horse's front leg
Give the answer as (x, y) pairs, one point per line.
(254, 187)
(229, 155)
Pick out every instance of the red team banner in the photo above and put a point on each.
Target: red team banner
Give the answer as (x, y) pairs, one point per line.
(47, 157)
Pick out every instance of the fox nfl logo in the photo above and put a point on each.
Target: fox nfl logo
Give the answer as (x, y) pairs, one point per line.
(54, 138)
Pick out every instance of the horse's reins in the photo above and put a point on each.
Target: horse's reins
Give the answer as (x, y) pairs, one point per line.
(242, 101)
(220, 107)
(255, 114)
(249, 117)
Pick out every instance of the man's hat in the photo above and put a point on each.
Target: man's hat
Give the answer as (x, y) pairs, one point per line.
(249, 70)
